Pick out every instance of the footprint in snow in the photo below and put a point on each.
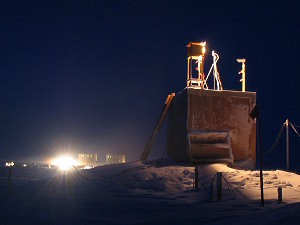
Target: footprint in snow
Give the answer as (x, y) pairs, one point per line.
(274, 177)
(288, 185)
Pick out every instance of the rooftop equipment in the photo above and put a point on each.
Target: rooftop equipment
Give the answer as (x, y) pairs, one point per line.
(243, 72)
(217, 80)
(196, 52)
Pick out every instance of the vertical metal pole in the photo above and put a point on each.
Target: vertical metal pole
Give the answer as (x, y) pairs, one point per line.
(9, 179)
(68, 184)
(191, 71)
(202, 72)
(260, 164)
(196, 177)
(188, 72)
(214, 72)
(243, 72)
(219, 186)
(243, 77)
(199, 68)
(211, 192)
(279, 195)
(287, 145)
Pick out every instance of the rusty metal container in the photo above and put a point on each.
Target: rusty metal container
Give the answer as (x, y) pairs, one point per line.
(212, 126)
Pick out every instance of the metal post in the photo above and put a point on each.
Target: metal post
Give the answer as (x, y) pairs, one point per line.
(69, 184)
(202, 72)
(287, 145)
(196, 177)
(260, 164)
(254, 114)
(244, 79)
(9, 179)
(219, 186)
(188, 72)
(279, 195)
(211, 192)
(243, 73)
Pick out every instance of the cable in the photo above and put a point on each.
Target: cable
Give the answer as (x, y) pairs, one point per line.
(294, 129)
(229, 188)
(276, 141)
(297, 126)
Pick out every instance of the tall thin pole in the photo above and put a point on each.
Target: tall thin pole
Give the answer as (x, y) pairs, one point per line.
(219, 186)
(9, 179)
(260, 164)
(197, 177)
(287, 145)
(188, 72)
(255, 114)
(243, 72)
(243, 77)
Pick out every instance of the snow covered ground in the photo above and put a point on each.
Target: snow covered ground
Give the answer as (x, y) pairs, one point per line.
(158, 192)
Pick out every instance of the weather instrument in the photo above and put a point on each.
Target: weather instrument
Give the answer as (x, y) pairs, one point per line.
(195, 64)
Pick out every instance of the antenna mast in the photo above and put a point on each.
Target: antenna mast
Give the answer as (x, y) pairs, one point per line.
(216, 72)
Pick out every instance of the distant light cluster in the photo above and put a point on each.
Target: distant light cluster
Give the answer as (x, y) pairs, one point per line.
(9, 164)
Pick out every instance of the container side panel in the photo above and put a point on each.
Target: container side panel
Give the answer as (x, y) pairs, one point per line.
(224, 111)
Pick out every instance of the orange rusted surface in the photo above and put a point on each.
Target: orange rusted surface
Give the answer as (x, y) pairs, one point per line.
(213, 111)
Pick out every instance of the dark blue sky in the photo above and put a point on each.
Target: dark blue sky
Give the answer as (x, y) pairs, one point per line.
(93, 75)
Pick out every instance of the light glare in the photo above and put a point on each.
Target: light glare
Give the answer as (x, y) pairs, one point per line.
(9, 164)
(65, 163)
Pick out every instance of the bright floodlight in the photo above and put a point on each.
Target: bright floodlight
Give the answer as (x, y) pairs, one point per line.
(9, 164)
(64, 163)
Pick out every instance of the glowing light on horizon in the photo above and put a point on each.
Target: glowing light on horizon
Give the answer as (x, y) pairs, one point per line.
(87, 167)
(9, 164)
(65, 163)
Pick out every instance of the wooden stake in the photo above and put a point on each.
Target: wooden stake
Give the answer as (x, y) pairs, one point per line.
(157, 127)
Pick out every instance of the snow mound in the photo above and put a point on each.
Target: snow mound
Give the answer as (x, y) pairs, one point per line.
(157, 192)
(171, 179)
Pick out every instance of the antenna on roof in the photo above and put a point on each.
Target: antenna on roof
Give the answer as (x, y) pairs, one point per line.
(215, 72)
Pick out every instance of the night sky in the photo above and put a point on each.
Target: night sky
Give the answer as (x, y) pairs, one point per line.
(93, 75)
